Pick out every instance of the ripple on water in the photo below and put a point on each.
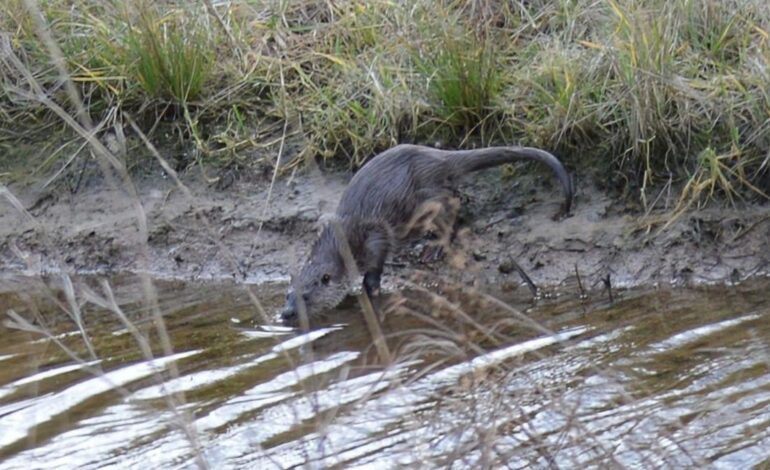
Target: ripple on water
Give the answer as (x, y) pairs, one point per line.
(674, 378)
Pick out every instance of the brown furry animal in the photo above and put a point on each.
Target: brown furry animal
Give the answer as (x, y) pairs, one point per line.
(377, 212)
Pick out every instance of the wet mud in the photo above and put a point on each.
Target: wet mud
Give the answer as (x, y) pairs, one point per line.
(238, 233)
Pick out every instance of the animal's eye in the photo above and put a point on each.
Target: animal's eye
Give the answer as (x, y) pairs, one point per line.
(325, 279)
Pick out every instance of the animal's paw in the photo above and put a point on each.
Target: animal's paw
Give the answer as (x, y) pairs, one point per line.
(432, 253)
(372, 284)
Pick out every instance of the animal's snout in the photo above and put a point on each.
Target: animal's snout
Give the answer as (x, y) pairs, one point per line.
(288, 316)
(290, 312)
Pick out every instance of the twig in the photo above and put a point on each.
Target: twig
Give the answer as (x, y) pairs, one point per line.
(608, 285)
(532, 287)
(580, 283)
(277, 163)
(749, 229)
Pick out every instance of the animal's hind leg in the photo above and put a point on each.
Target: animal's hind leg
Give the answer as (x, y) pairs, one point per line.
(437, 218)
(433, 250)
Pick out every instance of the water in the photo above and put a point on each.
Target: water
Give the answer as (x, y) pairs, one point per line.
(668, 378)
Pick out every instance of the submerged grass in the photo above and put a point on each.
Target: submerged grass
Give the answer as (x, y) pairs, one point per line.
(638, 93)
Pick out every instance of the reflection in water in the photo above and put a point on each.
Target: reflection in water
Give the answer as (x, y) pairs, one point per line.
(669, 378)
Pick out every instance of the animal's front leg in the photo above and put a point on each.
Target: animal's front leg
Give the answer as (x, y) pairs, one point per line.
(372, 283)
(376, 248)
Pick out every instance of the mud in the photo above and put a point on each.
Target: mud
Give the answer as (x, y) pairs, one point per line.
(232, 233)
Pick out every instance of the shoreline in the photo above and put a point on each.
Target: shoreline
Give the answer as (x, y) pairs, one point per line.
(93, 232)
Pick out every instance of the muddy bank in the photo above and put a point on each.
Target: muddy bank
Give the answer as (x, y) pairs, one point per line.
(233, 233)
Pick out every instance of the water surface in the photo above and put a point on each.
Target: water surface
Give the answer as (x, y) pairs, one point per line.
(659, 378)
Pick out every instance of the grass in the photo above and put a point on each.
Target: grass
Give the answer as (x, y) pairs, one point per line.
(634, 93)
(653, 92)
(171, 58)
(463, 78)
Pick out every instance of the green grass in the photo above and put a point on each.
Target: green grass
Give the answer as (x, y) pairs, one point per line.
(637, 93)
(462, 76)
(170, 57)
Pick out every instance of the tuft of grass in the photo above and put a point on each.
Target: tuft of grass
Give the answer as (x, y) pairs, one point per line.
(717, 174)
(170, 56)
(463, 78)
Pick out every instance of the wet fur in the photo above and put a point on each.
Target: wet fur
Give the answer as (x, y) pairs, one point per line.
(381, 207)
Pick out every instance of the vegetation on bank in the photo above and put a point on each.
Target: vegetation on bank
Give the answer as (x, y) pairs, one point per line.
(648, 95)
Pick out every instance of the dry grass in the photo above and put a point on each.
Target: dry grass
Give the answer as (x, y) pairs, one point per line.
(636, 92)
(650, 91)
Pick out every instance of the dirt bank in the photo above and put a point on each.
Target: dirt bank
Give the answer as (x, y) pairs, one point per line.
(232, 233)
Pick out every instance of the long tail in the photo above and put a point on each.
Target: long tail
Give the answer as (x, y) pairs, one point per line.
(479, 159)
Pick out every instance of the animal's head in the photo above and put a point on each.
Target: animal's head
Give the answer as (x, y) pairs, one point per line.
(321, 284)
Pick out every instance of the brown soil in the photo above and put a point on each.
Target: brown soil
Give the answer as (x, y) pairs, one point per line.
(232, 233)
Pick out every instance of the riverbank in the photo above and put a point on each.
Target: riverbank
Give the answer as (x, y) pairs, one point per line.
(235, 234)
